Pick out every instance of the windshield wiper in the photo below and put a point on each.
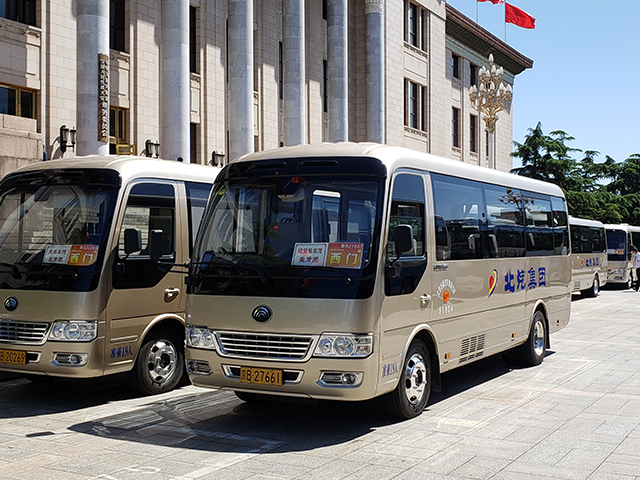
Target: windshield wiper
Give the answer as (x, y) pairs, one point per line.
(347, 279)
(208, 256)
(15, 273)
(73, 271)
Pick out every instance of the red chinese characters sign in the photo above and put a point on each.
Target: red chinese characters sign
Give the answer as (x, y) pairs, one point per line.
(338, 254)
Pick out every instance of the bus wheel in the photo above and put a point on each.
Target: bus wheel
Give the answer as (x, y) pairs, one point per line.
(532, 352)
(160, 363)
(410, 397)
(595, 288)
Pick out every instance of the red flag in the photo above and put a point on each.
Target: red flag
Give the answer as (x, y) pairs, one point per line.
(495, 2)
(518, 17)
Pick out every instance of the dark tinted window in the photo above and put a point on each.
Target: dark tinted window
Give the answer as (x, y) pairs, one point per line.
(459, 215)
(560, 226)
(539, 225)
(505, 222)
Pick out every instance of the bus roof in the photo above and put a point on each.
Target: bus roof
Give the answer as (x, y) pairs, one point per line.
(585, 222)
(396, 157)
(622, 226)
(130, 167)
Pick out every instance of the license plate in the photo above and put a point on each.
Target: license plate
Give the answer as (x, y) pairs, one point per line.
(261, 376)
(13, 357)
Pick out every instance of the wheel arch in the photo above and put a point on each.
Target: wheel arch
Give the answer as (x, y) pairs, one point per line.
(175, 323)
(542, 308)
(424, 333)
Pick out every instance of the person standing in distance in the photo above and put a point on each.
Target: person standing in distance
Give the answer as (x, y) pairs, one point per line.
(635, 258)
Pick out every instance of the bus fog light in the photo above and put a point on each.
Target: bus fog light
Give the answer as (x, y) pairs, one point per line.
(341, 379)
(70, 359)
(344, 345)
(197, 367)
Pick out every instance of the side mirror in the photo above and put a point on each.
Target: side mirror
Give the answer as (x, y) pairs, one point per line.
(132, 240)
(155, 244)
(403, 239)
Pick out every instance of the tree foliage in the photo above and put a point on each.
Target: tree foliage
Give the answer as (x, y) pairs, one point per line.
(606, 191)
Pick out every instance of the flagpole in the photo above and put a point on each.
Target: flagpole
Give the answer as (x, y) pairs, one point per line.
(477, 3)
(505, 22)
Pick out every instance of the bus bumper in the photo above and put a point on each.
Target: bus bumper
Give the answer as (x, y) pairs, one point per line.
(59, 359)
(317, 378)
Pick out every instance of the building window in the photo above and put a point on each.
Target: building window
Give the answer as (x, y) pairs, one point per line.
(455, 66)
(117, 23)
(473, 75)
(486, 142)
(415, 25)
(117, 128)
(193, 40)
(16, 101)
(280, 74)
(23, 11)
(415, 105)
(325, 80)
(455, 127)
(473, 133)
(324, 9)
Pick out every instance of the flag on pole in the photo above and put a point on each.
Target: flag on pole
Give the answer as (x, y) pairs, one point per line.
(518, 17)
(495, 2)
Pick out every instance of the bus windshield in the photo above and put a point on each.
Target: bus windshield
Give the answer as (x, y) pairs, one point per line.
(287, 235)
(616, 245)
(53, 228)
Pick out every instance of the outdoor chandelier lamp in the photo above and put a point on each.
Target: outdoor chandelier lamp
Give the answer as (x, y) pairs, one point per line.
(217, 159)
(490, 97)
(67, 136)
(152, 148)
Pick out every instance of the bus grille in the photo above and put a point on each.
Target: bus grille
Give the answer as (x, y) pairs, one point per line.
(274, 347)
(28, 332)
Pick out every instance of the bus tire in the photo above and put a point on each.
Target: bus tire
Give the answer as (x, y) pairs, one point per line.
(532, 352)
(160, 363)
(594, 290)
(411, 395)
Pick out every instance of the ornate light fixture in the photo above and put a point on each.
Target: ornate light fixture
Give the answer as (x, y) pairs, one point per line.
(490, 97)
(152, 148)
(67, 136)
(217, 159)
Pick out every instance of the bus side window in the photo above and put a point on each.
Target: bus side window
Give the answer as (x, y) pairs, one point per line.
(458, 203)
(407, 208)
(539, 225)
(561, 227)
(150, 206)
(505, 222)
(197, 196)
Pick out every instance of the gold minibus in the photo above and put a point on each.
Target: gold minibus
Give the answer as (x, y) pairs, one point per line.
(351, 271)
(81, 295)
(588, 256)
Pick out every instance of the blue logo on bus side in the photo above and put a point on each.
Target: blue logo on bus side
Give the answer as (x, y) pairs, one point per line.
(390, 369)
(122, 352)
(525, 280)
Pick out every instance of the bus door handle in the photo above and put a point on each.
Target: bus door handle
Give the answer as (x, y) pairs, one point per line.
(171, 294)
(424, 300)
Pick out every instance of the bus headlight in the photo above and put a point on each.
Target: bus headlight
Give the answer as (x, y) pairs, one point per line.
(200, 337)
(344, 345)
(73, 330)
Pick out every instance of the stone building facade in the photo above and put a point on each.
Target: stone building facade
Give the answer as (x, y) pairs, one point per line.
(209, 80)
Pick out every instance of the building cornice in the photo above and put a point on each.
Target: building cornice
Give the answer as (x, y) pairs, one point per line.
(474, 36)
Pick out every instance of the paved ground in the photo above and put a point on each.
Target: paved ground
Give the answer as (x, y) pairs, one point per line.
(577, 416)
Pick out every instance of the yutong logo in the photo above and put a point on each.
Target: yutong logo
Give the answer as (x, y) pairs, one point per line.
(11, 304)
(262, 314)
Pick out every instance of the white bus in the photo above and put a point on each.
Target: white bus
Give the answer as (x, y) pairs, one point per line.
(82, 296)
(620, 239)
(588, 255)
(352, 271)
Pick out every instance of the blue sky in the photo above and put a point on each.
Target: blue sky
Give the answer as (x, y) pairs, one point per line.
(585, 78)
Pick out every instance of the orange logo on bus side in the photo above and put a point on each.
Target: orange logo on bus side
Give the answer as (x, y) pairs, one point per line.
(445, 296)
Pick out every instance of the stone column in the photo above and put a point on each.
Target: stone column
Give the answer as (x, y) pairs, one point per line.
(375, 68)
(175, 81)
(294, 85)
(337, 70)
(240, 67)
(92, 97)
